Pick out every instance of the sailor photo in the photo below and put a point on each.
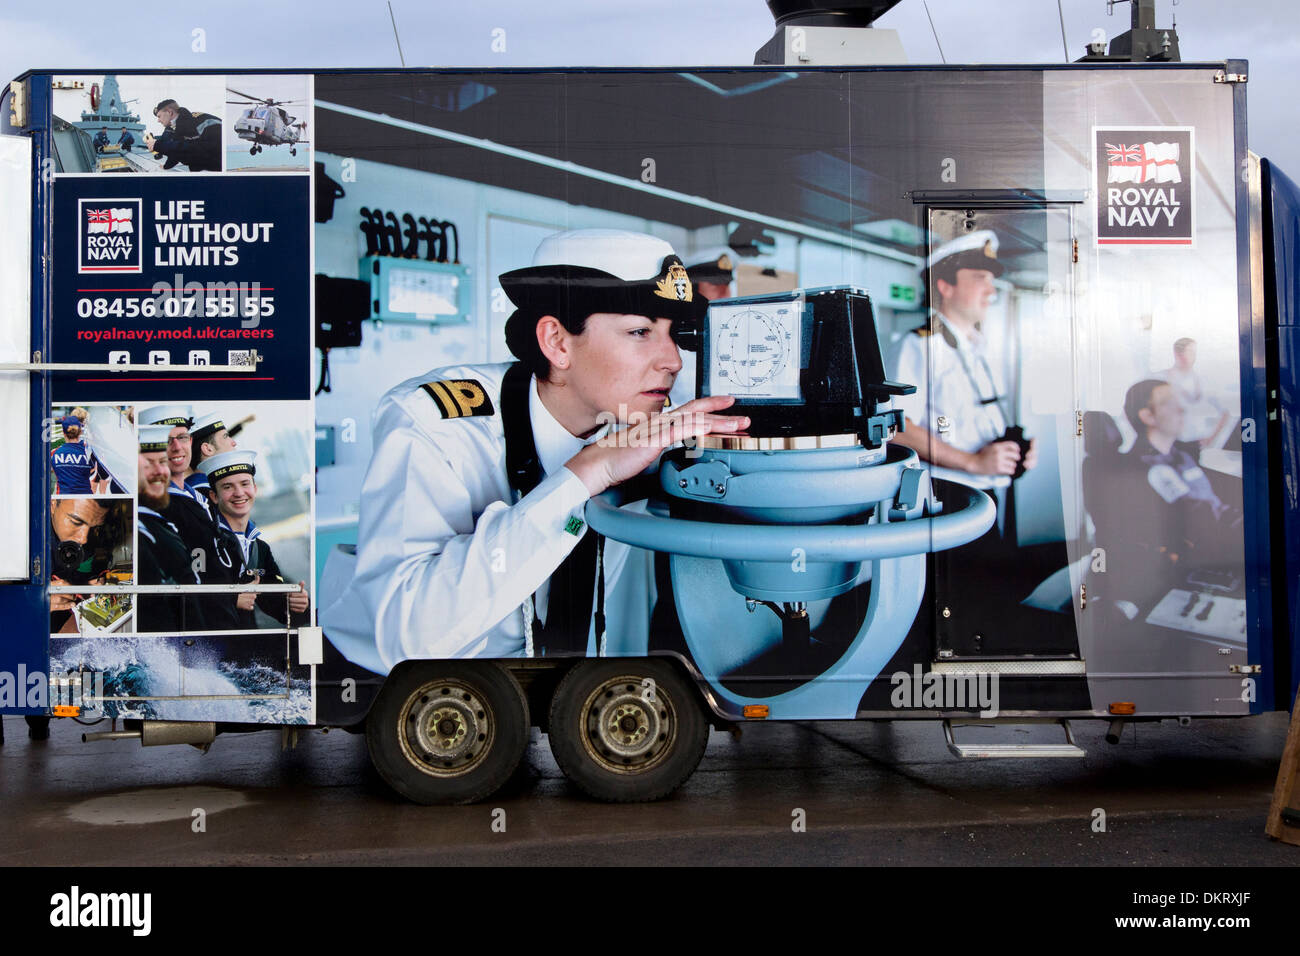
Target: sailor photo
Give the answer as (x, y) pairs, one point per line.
(127, 123)
(472, 505)
(91, 449)
(90, 546)
(232, 478)
(203, 432)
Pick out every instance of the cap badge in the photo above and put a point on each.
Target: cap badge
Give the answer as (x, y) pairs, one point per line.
(675, 284)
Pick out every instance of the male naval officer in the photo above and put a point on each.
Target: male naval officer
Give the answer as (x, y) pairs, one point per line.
(78, 521)
(190, 138)
(217, 553)
(1172, 517)
(163, 557)
(712, 271)
(234, 484)
(471, 540)
(208, 436)
(956, 417)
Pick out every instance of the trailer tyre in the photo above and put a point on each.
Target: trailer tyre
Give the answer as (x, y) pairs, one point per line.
(449, 731)
(626, 731)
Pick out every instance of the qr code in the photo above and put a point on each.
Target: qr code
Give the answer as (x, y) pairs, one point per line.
(240, 357)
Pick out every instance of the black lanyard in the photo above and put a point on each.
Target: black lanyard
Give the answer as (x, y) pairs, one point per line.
(569, 605)
(950, 337)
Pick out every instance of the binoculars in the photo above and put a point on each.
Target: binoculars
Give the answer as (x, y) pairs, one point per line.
(1016, 433)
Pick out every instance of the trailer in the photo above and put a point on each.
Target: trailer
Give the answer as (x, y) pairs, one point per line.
(1136, 340)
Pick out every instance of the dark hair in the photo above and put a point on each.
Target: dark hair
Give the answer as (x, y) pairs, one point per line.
(945, 269)
(71, 432)
(521, 339)
(1138, 398)
(196, 451)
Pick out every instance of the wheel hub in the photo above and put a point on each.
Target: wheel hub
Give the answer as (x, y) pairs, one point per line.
(446, 728)
(629, 727)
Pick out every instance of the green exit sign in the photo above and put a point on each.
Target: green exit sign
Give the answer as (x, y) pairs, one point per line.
(898, 292)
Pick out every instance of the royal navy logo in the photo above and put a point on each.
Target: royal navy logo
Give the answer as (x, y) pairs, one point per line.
(1145, 179)
(674, 284)
(108, 236)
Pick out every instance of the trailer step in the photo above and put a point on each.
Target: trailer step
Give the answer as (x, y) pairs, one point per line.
(986, 751)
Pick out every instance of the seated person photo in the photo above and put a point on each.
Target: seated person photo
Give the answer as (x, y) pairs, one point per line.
(1177, 529)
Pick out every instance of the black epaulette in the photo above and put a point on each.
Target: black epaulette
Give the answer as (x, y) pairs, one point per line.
(460, 398)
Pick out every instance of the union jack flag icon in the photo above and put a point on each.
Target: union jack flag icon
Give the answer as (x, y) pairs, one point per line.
(1142, 163)
(109, 220)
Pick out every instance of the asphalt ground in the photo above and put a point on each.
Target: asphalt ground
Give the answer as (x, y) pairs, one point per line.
(817, 793)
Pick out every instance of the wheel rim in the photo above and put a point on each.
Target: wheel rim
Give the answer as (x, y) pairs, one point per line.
(446, 728)
(629, 726)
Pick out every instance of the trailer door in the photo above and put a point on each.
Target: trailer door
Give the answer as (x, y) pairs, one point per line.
(1001, 352)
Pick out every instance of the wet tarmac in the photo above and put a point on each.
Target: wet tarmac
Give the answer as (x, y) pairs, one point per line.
(886, 793)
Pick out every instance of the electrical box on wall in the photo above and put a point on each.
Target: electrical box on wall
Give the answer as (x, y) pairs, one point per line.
(415, 290)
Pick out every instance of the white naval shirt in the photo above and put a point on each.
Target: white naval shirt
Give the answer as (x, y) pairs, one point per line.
(933, 362)
(445, 561)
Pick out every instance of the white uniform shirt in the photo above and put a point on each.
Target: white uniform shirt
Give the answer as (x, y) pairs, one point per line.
(953, 377)
(1201, 410)
(445, 561)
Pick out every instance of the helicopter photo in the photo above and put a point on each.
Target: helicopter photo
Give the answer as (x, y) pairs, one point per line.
(265, 123)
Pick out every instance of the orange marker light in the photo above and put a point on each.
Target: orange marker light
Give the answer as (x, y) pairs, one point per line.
(66, 710)
(1123, 707)
(756, 711)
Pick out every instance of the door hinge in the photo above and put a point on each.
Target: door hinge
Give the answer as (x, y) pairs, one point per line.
(36, 567)
(1083, 596)
(1075, 244)
(1222, 77)
(1078, 423)
(1245, 669)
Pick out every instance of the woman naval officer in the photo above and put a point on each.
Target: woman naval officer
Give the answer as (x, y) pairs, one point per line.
(473, 501)
(231, 475)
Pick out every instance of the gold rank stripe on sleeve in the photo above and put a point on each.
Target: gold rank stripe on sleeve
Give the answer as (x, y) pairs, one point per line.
(459, 398)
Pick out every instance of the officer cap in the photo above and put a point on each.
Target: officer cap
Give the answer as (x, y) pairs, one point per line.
(716, 265)
(166, 415)
(205, 426)
(975, 250)
(583, 271)
(229, 463)
(154, 437)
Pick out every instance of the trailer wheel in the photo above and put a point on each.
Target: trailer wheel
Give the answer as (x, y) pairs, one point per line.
(448, 731)
(626, 731)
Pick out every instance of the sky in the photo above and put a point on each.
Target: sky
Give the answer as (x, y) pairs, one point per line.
(358, 33)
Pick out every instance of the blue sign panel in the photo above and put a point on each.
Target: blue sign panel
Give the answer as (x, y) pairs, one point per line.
(193, 271)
